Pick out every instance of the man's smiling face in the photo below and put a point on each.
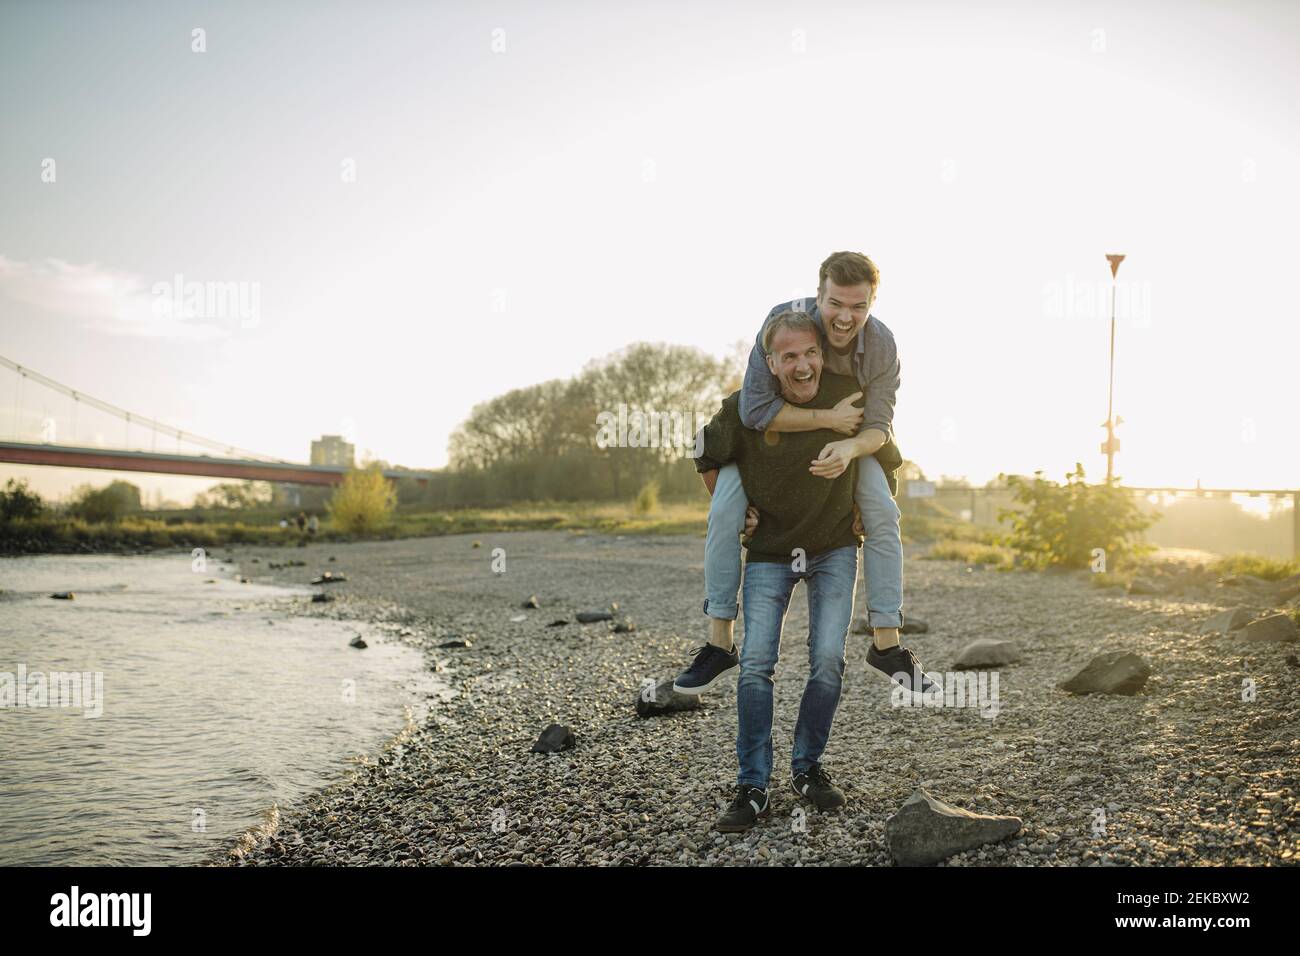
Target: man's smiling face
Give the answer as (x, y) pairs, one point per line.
(795, 358)
(844, 310)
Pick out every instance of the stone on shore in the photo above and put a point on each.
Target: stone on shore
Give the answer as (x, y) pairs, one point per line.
(1225, 622)
(330, 577)
(358, 642)
(456, 642)
(591, 617)
(926, 830)
(1116, 672)
(986, 652)
(64, 595)
(1274, 629)
(914, 626)
(624, 625)
(553, 739)
(321, 597)
(1142, 586)
(662, 699)
(531, 604)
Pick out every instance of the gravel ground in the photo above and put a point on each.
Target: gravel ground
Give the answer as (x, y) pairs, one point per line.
(1184, 773)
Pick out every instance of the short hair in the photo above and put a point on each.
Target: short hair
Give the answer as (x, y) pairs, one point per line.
(789, 319)
(848, 268)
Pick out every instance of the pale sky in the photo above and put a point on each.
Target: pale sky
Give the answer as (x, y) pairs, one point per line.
(539, 184)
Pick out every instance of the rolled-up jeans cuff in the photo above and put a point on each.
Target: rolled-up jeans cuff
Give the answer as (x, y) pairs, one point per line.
(721, 612)
(881, 619)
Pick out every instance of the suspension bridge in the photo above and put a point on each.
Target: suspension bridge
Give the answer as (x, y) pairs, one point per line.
(43, 410)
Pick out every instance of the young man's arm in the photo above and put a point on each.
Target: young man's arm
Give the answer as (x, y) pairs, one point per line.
(882, 390)
(763, 409)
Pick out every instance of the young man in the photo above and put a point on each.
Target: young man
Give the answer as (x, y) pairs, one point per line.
(858, 345)
(805, 531)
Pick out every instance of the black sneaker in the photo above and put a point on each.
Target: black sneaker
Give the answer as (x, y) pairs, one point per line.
(750, 804)
(710, 663)
(815, 786)
(900, 667)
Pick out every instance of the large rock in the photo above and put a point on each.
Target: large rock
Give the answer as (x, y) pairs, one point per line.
(1116, 672)
(591, 617)
(554, 738)
(1274, 629)
(1225, 622)
(1143, 586)
(926, 830)
(986, 652)
(662, 699)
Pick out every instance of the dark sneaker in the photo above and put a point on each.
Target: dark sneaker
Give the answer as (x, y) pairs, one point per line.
(900, 667)
(750, 804)
(815, 786)
(710, 664)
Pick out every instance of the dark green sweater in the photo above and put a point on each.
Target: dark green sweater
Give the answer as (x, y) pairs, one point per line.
(796, 509)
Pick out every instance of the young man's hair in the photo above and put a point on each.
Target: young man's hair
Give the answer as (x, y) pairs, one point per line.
(789, 319)
(848, 268)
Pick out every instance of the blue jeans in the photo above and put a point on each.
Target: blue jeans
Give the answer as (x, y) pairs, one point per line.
(830, 578)
(882, 564)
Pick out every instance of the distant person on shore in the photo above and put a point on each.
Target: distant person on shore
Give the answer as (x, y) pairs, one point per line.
(858, 345)
(313, 525)
(301, 522)
(807, 531)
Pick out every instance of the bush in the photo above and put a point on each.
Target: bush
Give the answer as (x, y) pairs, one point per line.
(364, 502)
(18, 501)
(647, 499)
(113, 502)
(1062, 524)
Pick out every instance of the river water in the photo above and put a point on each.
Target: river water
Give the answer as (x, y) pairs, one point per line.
(203, 704)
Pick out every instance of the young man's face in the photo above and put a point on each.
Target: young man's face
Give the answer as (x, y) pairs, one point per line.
(844, 311)
(795, 358)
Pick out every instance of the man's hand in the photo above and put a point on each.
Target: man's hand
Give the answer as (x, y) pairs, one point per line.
(844, 418)
(751, 520)
(710, 479)
(834, 458)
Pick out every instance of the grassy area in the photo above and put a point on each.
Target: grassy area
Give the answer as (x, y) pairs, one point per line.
(971, 552)
(64, 535)
(1270, 569)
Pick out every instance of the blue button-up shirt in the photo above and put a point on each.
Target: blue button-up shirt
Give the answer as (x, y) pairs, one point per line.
(875, 364)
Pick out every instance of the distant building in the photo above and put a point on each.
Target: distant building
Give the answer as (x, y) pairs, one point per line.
(332, 450)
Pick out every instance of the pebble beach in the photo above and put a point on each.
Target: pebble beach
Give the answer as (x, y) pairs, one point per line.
(1191, 770)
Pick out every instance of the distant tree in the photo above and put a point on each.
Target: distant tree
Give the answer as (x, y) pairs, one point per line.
(110, 503)
(235, 496)
(17, 500)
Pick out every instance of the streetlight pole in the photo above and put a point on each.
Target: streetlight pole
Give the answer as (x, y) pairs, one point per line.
(1111, 444)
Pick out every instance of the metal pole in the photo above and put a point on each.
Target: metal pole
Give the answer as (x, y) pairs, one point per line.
(1110, 394)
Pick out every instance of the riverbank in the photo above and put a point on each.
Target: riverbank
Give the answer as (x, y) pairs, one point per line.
(1186, 772)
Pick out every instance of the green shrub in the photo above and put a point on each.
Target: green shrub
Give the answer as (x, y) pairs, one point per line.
(647, 499)
(972, 552)
(1062, 525)
(364, 502)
